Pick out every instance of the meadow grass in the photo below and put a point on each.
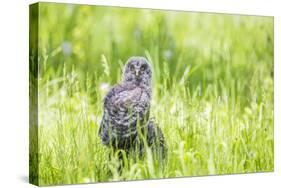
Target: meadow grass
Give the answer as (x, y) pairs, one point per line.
(212, 91)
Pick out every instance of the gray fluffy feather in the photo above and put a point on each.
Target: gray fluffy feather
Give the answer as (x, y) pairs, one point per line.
(127, 106)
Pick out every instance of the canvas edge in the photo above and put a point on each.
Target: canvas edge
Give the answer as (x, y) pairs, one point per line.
(33, 94)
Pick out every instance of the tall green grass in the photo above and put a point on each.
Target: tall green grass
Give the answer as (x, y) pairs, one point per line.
(212, 91)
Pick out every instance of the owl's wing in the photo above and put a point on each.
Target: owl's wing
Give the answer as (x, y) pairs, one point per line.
(123, 106)
(105, 122)
(127, 104)
(103, 130)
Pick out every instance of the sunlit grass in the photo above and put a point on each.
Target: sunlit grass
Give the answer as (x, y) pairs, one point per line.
(212, 91)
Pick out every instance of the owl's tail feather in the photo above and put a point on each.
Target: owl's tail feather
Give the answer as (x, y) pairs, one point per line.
(156, 140)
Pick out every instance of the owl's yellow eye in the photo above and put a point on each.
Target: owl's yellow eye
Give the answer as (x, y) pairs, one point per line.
(142, 68)
(132, 68)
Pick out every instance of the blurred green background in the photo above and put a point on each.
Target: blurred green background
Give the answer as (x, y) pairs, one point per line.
(221, 47)
(212, 89)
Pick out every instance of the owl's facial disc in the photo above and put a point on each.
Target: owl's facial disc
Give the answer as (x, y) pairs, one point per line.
(138, 70)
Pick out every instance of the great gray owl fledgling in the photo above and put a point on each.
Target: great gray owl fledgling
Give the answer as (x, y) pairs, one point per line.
(126, 123)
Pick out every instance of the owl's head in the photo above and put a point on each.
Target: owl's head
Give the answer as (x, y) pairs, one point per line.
(138, 71)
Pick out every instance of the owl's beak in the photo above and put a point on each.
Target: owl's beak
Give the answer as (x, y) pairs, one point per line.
(137, 73)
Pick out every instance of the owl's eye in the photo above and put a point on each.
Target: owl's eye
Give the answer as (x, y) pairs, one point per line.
(142, 68)
(132, 68)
